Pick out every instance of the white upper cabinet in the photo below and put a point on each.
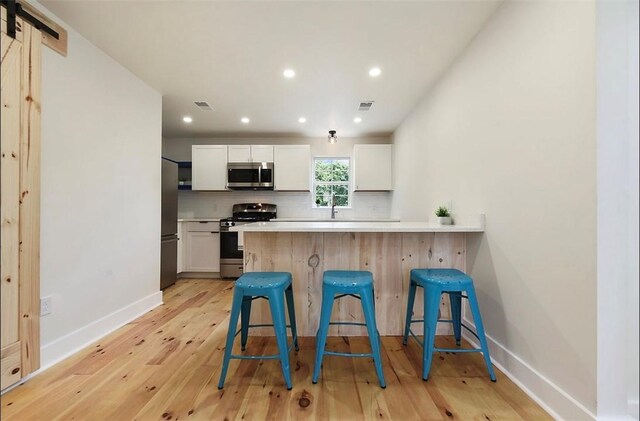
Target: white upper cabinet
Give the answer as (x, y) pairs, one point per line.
(372, 168)
(250, 153)
(292, 166)
(209, 167)
(262, 153)
(239, 153)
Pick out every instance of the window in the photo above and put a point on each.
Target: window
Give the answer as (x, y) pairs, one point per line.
(331, 176)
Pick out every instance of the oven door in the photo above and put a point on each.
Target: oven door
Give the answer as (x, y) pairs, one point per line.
(229, 246)
(243, 175)
(231, 261)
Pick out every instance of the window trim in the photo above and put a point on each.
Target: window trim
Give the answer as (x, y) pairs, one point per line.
(332, 183)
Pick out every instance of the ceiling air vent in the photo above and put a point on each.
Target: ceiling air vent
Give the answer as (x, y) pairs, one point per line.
(365, 106)
(203, 105)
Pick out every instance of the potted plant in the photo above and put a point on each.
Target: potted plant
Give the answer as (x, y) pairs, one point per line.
(444, 217)
(182, 181)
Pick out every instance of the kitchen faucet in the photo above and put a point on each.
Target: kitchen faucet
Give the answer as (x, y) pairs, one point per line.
(333, 206)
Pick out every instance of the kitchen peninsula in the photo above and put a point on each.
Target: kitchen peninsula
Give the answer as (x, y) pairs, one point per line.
(387, 249)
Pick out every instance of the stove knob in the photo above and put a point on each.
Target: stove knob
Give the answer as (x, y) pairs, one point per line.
(233, 224)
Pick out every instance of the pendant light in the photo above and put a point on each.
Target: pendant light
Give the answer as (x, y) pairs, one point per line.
(332, 136)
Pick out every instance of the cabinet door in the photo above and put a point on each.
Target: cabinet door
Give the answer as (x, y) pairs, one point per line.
(262, 153)
(203, 251)
(181, 241)
(239, 153)
(209, 167)
(292, 167)
(372, 167)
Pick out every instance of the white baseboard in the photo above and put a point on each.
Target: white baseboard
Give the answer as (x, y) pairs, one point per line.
(199, 275)
(64, 347)
(558, 403)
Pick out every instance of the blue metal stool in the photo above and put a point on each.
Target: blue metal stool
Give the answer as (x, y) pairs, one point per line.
(357, 284)
(272, 286)
(436, 282)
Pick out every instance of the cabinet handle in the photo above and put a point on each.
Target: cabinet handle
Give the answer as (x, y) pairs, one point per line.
(203, 222)
(214, 232)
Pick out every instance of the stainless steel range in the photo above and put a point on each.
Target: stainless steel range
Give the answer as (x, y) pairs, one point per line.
(231, 259)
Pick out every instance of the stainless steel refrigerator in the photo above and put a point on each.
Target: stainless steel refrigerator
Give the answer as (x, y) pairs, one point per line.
(169, 230)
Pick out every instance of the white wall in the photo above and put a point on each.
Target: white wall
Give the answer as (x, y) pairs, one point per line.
(509, 131)
(617, 65)
(633, 173)
(100, 238)
(290, 204)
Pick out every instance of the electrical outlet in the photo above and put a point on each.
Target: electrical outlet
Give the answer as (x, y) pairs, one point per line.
(45, 306)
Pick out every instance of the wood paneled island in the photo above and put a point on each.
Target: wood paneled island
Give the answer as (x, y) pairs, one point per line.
(389, 250)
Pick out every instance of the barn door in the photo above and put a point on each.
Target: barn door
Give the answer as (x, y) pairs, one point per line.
(20, 202)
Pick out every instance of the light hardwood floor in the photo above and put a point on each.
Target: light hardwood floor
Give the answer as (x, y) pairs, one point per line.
(165, 366)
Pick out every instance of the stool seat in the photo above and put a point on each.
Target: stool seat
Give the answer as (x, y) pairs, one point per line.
(448, 278)
(267, 280)
(348, 278)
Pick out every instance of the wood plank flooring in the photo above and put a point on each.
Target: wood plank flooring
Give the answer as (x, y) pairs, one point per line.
(165, 366)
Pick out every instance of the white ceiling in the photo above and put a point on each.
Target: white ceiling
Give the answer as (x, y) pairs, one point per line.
(232, 55)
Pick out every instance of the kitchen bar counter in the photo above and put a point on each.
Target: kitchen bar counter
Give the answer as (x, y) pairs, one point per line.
(389, 250)
(357, 226)
(334, 220)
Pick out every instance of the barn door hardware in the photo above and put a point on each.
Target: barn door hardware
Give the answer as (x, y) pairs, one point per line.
(14, 9)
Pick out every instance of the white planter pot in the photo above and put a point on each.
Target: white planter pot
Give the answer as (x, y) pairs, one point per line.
(444, 220)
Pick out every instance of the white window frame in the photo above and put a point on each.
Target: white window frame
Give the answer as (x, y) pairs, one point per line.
(332, 183)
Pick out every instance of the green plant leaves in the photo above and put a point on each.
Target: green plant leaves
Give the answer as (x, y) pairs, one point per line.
(442, 212)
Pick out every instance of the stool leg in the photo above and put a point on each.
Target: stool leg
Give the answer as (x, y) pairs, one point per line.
(245, 315)
(231, 333)
(412, 298)
(276, 302)
(292, 316)
(477, 319)
(431, 309)
(456, 314)
(323, 330)
(367, 300)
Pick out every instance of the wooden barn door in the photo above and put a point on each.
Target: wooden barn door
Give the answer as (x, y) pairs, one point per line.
(20, 202)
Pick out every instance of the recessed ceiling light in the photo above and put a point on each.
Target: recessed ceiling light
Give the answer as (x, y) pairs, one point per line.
(289, 73)
(245, 120)
(375, 72)
(187, 119)
(357, 120)
(302, 120)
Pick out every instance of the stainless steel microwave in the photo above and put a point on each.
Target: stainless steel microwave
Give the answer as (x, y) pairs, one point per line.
(250, 175)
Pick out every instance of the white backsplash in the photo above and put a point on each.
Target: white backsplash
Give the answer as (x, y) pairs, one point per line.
(196, 204)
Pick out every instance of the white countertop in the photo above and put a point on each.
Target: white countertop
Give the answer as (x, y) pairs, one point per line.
(198, 219)
(477, 226)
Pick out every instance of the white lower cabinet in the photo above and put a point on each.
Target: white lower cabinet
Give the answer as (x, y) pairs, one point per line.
(181, 241)
(202, 247)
